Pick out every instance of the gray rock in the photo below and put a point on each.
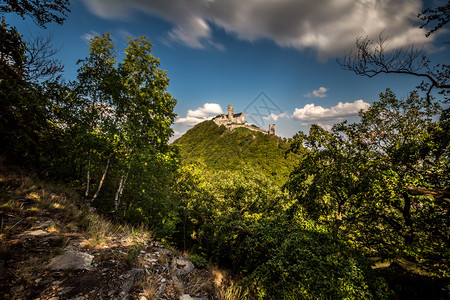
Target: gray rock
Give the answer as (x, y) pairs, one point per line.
(17, 288)
(185, 297)
(165, 251)
(33, 233)
(161, 290)
(11, 220)
(132, 276)
(66, 290)
(44, 224)
(70, 259)
(182, 266)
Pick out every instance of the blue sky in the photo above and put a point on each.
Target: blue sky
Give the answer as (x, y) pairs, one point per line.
(254, 54)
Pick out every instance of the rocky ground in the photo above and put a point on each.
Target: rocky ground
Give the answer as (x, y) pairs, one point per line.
(50, 249)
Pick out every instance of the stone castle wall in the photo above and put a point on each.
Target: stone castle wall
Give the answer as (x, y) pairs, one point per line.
(232, 121)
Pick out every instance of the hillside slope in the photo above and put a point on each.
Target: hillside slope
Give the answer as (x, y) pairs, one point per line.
(220, 149)
(53, 246)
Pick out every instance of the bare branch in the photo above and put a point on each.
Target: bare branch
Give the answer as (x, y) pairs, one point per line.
(371, 58)
(40, 58)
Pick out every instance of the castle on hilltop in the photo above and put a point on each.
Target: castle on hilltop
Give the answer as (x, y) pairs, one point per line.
(232, 121)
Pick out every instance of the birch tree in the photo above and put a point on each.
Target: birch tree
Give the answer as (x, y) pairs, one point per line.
(96, 81)
(145, 107)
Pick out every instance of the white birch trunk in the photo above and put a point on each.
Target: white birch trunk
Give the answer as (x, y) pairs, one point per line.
(123, 180)
(88, 176)
(116, 198)
(101, 181)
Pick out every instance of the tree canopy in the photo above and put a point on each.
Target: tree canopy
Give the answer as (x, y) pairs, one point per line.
(41, 12)
(364, 178)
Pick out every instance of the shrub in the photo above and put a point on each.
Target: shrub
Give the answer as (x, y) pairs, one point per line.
(302, 261)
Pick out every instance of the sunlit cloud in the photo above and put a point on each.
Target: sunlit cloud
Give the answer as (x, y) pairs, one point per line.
(312, 113)
(200, 114)
(274, 117)
(319, 93)
(327, 127)
(87, 37)
(328, 27)
(124, 34)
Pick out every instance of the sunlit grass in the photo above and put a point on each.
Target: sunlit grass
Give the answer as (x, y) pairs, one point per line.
(34, 202)
(17, 190)
(149, 285)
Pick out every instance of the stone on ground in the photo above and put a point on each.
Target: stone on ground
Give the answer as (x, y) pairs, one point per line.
(73, 260)
(182, 266)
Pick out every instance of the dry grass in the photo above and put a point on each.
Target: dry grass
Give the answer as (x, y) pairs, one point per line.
(63, 204)
(28, 198)
(199, 281)
(232, 292)
(163, 258)
(225, 288)
(150, 286)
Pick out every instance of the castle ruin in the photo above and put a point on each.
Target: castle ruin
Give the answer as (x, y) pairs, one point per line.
(232, 121)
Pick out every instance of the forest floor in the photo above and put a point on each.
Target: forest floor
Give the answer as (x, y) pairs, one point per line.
(52, 246)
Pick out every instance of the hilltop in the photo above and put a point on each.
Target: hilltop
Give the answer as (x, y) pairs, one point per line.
(221, 149)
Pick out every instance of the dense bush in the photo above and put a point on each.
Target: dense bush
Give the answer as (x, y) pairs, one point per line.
(299, 260)
(240, 220)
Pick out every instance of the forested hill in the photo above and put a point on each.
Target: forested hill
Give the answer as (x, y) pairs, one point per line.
(220, 149)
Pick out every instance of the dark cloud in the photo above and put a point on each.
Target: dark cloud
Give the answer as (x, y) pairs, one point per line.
(326, 26)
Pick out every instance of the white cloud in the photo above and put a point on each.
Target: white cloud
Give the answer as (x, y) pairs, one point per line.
(208, 108)
(201, 114)
(87, 37)
(319, 93)
(311, 112)
(327, 26)
(325, 126)
(190, 121)
(274, 117)
(124, 34)
(176, 134)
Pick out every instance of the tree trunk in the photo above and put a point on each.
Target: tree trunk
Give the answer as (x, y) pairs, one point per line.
(123, 180)
(88, 176)
(101, 181)
(409, 237)
(337, 223)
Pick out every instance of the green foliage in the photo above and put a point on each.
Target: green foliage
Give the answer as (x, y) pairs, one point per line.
(298, 260)
(379, 186)
(199, 261)
(242, 220)
(148, 199)
(26, 131)
(217, 207)
(42, 12)
(220, 149)
(378, 180)
(120, 116)
(106, 133)
(147, 106)
(27, 134)
(331, 179)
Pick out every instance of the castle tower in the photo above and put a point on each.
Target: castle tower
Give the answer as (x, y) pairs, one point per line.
(271, 129)
(230, 113)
